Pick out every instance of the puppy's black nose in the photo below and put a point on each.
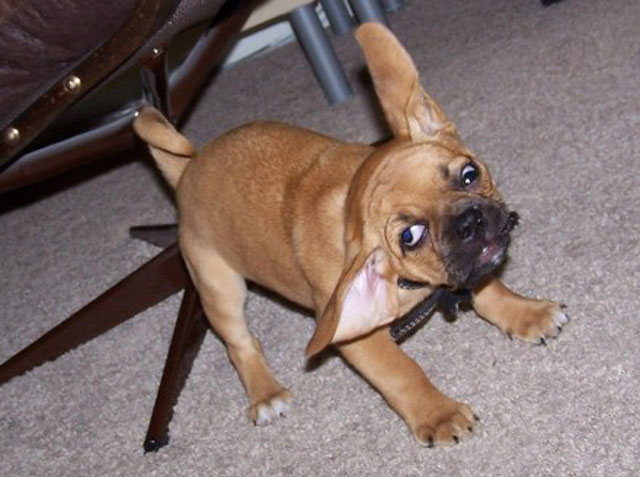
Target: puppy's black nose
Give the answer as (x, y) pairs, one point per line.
(468, 223)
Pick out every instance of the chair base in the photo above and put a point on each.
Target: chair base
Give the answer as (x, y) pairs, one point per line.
(156, 280)
(165, 274)
(159, 235)
(188, 336)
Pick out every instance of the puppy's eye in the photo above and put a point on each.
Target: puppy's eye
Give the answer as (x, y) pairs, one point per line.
(469, 174)
(412, 236)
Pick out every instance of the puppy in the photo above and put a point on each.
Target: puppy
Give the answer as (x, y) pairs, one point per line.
(358, 234)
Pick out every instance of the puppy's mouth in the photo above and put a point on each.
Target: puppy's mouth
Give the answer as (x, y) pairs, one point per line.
(476, 242)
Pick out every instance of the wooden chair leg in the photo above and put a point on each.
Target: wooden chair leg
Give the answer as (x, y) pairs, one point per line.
(188, 335)
(156, 280)
(158, 235)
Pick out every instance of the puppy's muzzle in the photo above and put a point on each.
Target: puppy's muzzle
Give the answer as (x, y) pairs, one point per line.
(476, 241)
(469, 224)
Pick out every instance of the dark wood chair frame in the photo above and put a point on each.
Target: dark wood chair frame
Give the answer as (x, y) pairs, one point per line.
(163, 275)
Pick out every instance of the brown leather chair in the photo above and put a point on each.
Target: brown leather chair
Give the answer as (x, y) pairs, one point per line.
(57, 58)
(56, 55)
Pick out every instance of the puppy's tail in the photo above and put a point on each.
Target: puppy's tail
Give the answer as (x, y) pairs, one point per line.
(170, 149)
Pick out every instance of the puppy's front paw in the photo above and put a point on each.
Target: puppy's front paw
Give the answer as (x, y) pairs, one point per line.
(446, 423)
(267, 410)
(536, 320)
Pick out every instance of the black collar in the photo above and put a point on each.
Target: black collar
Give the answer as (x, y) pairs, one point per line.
(444, 298)
(407, 284)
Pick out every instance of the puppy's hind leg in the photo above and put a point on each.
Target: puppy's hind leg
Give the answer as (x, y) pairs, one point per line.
(223, 293)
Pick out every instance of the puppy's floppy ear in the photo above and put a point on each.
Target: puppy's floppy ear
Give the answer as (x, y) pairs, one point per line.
(365, 298)
(409, 110)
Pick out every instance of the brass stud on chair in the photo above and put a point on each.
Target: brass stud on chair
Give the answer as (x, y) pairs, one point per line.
(72, 84)
(11, 135)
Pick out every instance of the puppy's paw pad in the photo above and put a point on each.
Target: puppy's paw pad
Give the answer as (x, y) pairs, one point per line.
(447, 425)
(268, 410)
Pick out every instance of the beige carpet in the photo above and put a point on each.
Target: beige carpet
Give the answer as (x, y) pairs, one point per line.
(549, 97)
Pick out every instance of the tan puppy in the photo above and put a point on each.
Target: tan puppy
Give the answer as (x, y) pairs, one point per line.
(356, 233)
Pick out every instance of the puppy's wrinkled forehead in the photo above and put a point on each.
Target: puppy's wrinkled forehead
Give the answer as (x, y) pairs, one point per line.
(411, 170)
